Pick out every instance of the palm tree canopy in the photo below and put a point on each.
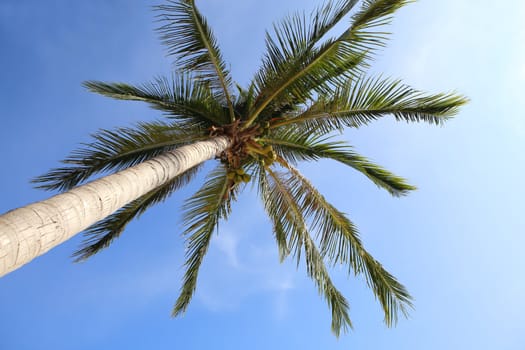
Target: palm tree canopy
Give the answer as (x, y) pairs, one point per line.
(308, 88)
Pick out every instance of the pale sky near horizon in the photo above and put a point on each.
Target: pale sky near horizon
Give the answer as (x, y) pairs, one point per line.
(456, 243)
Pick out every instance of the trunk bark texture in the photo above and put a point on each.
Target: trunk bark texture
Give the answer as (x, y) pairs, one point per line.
(30, 231)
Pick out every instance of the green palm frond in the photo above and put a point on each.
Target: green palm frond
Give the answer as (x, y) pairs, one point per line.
(367, 99)
(294, 74)
(116, 150)
(275, 210)
(308, 120)
(183, 98)
(102, 234)
(296, 35)
(340, 243)
(375, 13)
(392, 295)
(295, 39)
(202, 213)
(307, 31)
(296, 146)
(395, 185)
(295, 81)
(372, 15)
(277, 200)
(245, 100)
(189, 38)
(316, 270)
(282, 205)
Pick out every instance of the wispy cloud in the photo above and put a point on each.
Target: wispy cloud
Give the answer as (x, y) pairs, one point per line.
(227, 243)
(238, 268)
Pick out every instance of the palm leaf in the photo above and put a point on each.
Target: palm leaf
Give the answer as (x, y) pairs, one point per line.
(277, 201)
(116, 150)
(202, 214)
(183, 97)
(340, 243)
(102, 234)
(245, 100)
(296, 74)
(297, 146)
(189, 38)
(275, 210)
(296, 81)
(281, 203)
(375, 13)
(316, 270)
(294, 39)
(367, 99)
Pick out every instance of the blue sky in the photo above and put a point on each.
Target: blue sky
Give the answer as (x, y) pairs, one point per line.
(455, 243)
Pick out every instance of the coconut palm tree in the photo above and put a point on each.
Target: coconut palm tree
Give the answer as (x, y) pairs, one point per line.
(309, 87)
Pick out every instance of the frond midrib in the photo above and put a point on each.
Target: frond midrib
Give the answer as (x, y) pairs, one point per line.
(296, 76)
(341, 113)
(214, 61)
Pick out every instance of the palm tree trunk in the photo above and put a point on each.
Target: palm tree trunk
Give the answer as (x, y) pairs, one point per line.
(30, 231)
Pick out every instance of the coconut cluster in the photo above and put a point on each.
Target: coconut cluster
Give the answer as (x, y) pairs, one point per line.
(267, 156)
(244, 146)
(238, 175)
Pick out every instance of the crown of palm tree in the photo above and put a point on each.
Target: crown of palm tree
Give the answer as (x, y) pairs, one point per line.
(308, 88)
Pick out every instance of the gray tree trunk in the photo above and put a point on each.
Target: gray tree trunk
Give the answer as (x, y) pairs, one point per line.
(30, 231)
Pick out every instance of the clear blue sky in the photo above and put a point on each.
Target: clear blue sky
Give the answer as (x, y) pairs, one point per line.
(456, 243)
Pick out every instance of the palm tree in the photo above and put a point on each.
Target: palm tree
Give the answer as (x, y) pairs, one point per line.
(309, 87)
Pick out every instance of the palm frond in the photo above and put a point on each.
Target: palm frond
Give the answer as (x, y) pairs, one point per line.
(312, 117)
(116, 150)
(290, 223)
(274, 208)
(340, 243)
(294, 81)
(298, 81)
(294, 74)
(102, 234)
(395, 185)
(282, 205)
(316, 270)
(245, 100)
(367, 99)
(183, 97)
(202, 213)
(365, 33)
(297, 34)
(376, 13)
(296, 146)
(189, 38)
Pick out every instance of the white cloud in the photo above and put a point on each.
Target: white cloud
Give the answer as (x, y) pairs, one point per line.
(281, 305)
(227, 243)
(237, 270)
